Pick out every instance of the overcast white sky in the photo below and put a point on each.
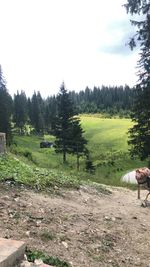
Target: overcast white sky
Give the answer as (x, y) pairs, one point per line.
(80, 42)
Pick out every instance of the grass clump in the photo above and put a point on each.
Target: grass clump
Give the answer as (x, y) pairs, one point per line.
(46, 236)
(22, 152)
(54, 261)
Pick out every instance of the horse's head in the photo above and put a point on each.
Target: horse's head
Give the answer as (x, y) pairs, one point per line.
(142, 175)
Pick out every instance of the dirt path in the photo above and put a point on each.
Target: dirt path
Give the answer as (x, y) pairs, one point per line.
(85, 228)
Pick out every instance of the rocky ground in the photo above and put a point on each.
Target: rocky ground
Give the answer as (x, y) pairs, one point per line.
(86, 228)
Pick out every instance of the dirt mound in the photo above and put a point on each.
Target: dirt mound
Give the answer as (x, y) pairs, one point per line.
(86, 228)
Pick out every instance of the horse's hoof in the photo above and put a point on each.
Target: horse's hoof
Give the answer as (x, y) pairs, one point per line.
(144, 204)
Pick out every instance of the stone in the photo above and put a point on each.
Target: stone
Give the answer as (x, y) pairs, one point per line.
(65, 244)
(38, 262)
(11, 251)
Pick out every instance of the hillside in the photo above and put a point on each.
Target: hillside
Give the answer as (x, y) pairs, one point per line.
(85, 227)
(107, 143)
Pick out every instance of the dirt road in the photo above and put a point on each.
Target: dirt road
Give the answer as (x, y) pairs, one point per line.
(85, 228)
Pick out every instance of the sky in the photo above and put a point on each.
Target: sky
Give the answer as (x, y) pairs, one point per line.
(79, 42)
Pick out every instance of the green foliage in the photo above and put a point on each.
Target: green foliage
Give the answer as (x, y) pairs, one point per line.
(54, 261)
(107, 143)
(63, 123)
(50, 113)
(108, 100)
(67, 130)
(140, 132)
(20, 114)
(5, 109)
(89, 165)
(40, 178)
(12, 167)
(22, 152)
(36, 113)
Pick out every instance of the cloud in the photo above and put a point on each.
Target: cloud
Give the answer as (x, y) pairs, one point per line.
(82, 42)
(117, 37)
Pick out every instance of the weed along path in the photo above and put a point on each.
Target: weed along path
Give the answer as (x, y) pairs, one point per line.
(85, 228)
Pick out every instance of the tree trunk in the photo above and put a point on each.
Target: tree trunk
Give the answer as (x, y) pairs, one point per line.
(78, 162)
(64, 156)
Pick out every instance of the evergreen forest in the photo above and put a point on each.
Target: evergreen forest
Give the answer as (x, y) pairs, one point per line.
(40, 113)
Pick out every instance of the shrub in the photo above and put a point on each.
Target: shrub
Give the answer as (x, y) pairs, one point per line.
(22, 152)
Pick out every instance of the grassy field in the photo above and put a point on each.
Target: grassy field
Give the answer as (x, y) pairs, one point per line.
(107, 142)
(108, 134)
(109, 148)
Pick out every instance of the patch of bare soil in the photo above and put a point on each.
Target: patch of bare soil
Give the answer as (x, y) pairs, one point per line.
(85, 228)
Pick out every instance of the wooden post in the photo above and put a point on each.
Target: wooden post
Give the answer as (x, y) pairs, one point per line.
(2, 142)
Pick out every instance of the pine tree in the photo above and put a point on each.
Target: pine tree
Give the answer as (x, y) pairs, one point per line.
(89, 166)
(20, 115)
(140, 132)
(37, 113)
(78, 141)
(62, 124)
(5, 109)
(67, 129)
(50, 113)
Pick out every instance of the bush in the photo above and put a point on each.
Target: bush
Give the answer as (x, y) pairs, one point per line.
(21, 151)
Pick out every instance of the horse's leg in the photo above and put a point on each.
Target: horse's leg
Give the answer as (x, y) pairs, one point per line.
(147, 196)
(138, 191)
(144, 204)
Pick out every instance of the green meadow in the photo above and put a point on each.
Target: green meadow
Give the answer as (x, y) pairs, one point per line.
(107, 143)
(106, 134)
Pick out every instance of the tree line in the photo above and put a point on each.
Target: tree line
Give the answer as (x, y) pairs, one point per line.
(41, 113)
(107, 99)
